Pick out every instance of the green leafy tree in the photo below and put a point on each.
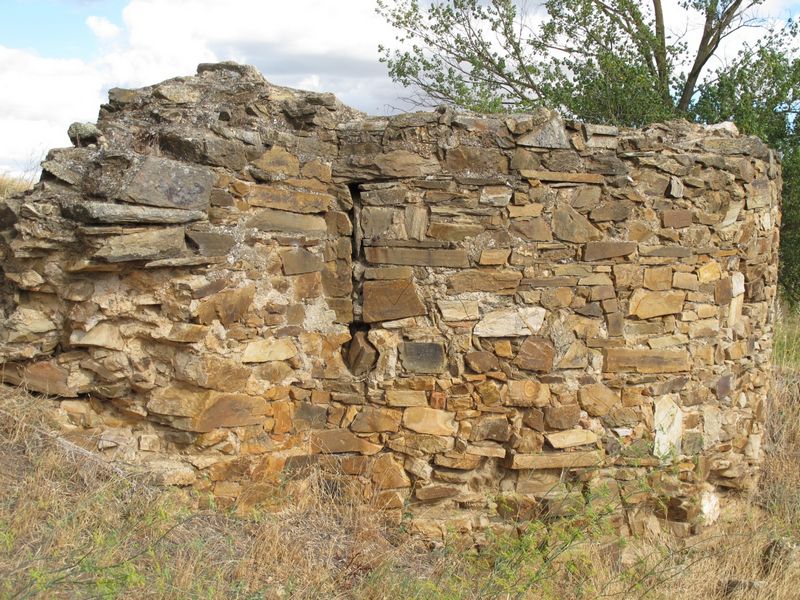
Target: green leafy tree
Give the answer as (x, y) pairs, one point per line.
(608, 61)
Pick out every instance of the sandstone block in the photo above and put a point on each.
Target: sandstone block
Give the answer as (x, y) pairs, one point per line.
(336, 441)
(571, 226)
(597, 400)
(645, 361)
(527, 393)
(646, 305)
(511, 322)
(153, 244)
(299, 260)
(606, 250)
(563, 177)
(570, 438)
(269, 350)
(500, 281)
(361, 355)
(391, 300)
(288, 199)
(565, 416)
(430, 257)
(557, 460)
(388, 473)
(536, 354)
(429, 421)
(374, 420)
(482, 361)
(269, 219)
(406, 398)
(476, 159)
(459, 310)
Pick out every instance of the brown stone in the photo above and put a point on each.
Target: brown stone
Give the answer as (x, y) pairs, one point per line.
(402, 163)
(658, 278)
(528, 393)
(270, 219)
(677, 218)
(436, 492)
(44, 376)
(299, 260)
(211, 244)
(153, 244)
(453, 232)
(211, 371)
(361, 355)
(563, 177)
(335, 441)
(463, 462)
(556, 460)
(374, 420)
(494, 256)
(476, 159)
(499, 281)
(535, 230)
(536, 354)
(496, 428)
(570, 438)
(565, 416)
(605, 250)
(388, 473)
(391, 300)
(288, 199)
(406, 398)
(571, 226)
(278, 161)
(425, 257)
(645, 361)
(646, 305)
(268, 350)
(481, 362)
(597, 400)
(196, 409)
(429, 421)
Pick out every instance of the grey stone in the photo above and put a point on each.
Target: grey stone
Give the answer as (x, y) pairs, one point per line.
(105, 212)
(423, 357)
(170, 184)
(146, 245)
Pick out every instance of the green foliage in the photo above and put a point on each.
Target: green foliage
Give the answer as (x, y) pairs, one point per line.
(608, 61)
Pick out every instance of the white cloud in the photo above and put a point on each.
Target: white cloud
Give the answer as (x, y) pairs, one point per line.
(327, 46)
(102, 27)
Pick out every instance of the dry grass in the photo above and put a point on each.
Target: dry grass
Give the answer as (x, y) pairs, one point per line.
(71, 527)
(12, 185)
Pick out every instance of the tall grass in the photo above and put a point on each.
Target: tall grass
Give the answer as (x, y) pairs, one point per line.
(10, 185)
(71, 526)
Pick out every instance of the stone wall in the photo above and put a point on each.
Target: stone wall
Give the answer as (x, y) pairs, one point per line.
(228, 281)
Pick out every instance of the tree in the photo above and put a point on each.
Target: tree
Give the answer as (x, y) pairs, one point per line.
(608, 61)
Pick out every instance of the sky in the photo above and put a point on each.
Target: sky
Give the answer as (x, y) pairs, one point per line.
(58, 58)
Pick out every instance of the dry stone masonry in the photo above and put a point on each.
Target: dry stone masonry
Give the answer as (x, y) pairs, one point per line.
(472, 316)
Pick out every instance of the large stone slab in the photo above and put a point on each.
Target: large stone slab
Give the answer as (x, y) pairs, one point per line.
(571, 226)
(646, 305)
(195, 409)
(668, 426)
(422, 419)
(605, 250)
(268, 219)
(557, 460)
(645, 361)
(597, 399)
(106, 212)
(391, 300)
(284, 198)
(511, 322)
(423, 357)
(536, 354)
(170, 184)
(152, 244)
(423, 257)
(557, 176)
(499, 281)
(335, 441)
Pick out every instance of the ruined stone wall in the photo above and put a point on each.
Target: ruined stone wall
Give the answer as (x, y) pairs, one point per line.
(229, 280)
